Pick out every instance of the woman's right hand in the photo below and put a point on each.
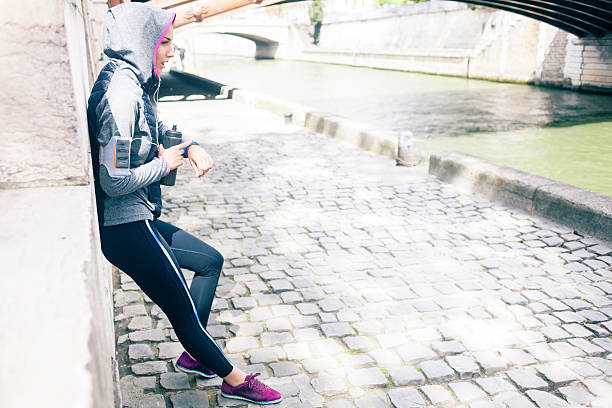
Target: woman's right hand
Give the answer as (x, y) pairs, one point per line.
(174, 154)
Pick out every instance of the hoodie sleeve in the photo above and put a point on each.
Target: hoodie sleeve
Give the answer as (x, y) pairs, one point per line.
(117, 115)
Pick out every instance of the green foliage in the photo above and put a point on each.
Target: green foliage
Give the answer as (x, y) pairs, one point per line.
(316, 12)
(397, 3)
(316, 19)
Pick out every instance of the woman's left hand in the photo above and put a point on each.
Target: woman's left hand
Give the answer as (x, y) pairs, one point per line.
(200, 161)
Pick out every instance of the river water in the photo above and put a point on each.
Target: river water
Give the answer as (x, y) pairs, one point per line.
(560, 134)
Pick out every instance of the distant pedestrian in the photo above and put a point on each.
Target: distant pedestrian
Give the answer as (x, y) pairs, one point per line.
(316, 19)
(128, 165)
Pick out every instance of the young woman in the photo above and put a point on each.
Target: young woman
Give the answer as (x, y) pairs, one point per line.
(128, 165)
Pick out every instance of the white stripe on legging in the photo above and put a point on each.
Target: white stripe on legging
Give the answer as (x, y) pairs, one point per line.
(180, 276)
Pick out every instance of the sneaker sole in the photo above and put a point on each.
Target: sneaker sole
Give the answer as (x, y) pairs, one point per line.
(190, 371)
(250, 400)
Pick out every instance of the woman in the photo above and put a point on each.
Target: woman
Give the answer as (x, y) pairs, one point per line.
(125, 133)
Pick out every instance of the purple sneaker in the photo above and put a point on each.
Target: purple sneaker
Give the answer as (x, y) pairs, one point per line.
(189, 365)
(251, 390)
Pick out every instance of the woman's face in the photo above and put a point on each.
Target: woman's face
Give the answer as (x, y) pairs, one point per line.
(165, 51)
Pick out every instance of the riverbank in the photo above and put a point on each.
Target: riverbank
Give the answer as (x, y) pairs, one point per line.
(583, 210)
(557, 134)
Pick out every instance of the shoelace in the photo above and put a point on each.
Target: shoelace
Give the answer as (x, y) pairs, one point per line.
(256, 385)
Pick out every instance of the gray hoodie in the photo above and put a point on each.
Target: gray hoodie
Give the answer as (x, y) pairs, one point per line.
(123, 124)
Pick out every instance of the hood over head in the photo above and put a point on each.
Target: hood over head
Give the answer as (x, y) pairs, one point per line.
(133, 33)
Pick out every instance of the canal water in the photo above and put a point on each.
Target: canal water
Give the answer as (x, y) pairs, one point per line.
(560, 134)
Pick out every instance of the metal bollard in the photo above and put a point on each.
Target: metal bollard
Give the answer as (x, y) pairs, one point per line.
(288, 118)
(405, 154)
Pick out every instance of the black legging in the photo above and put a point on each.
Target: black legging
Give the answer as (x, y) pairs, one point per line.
(152, 253)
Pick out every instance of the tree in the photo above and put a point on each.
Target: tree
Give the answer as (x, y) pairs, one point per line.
(316, 19)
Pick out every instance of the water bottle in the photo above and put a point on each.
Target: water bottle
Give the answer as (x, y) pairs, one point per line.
(171, 138)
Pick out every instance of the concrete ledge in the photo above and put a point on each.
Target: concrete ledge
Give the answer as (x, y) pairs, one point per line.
(57, 318)
(363, 135)
(583, 210)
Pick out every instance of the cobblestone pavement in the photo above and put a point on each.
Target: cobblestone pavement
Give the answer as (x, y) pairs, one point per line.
(349, 282)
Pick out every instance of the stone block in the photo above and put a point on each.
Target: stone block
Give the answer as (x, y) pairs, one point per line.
(150, 367)
(190, 399)
(337, 329)
(240, 344)
(448, 347)
(329, 384)
(526, 379)
(557, 373)
(140, 322)
(170, 350)
(275, 338)
(545, 399)
(145, 382)
(466, 391)
(465, 366)
(367, 377)
(284, 368)
(495, 385)
(438, 395)
(437, 370)
(406, 398)
(490, 362)
(406, 375)
(600, 388)
(174, 381)
(147, 335)
(576, 395)
(140, 351)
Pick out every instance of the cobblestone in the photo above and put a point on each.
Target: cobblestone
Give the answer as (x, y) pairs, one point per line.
(190, 399)
(406, 375)
(438, 395)
(546, 400)
(174, 381)
(437, 370)
(150, 367)
(495, 385)
(526, 379)
(139, 351)
(466, 391)
(406, 398)
(557, 373)
(361, 284)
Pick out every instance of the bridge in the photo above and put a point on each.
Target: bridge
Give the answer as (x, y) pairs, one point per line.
(579, 17)
(582, 18)
(269, 38)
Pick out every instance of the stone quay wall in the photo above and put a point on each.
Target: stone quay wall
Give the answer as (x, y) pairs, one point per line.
(57, 343)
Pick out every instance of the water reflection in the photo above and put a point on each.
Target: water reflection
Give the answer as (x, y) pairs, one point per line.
(426, 104)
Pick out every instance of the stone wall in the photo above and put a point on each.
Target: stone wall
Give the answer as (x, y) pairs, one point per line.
(56, 324)
(588, 62)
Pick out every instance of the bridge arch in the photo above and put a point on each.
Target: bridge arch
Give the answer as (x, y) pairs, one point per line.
(265, 48)
(579, 17)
